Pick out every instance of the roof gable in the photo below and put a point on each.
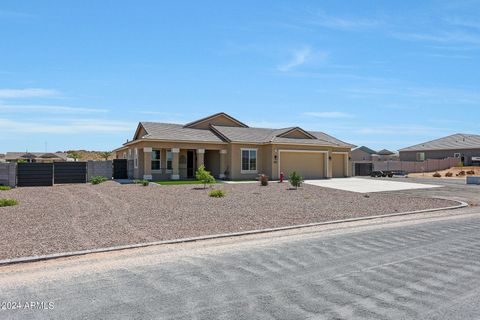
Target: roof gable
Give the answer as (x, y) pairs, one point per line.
(385, 152)
(296, 133)
(140, 132)
(218, 119)
(366, 149)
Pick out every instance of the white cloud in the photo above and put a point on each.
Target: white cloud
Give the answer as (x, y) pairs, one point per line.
(27, 93)
(328, 114)
(48, 109)
(74, 126)
(335, 22)
(301, 57)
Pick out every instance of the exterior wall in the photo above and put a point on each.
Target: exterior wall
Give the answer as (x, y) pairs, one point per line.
(267, 158)
(360, 155)
(8, 174)
(99, 168)
(441, 154)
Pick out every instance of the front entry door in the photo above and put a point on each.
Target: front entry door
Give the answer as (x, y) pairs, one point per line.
(190, 164)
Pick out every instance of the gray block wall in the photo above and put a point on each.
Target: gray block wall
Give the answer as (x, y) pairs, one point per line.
(8, 174)
(100, 168)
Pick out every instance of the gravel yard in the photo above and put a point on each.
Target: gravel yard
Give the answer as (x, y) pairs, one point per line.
(75, 217)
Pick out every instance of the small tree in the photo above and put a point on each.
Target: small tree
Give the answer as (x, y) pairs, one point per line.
(74, 155)
(105, 155)
(295, 179)
(204, 176)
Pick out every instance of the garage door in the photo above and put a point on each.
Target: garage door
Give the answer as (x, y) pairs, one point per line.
(338, 165)
(310, 165)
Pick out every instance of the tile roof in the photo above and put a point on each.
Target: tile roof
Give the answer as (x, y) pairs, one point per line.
(264, 135)
(220, 134)
(171, 131)
(367, 150)
(453, 142)
(385, 152)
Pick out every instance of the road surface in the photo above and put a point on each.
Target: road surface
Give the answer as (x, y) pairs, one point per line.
(409, 268)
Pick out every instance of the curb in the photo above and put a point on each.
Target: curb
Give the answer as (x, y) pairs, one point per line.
(6, 262)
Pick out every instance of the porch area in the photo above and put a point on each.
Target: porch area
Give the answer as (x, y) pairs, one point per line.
(181, 163)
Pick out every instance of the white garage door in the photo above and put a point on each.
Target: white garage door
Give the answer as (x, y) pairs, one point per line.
(310, 165)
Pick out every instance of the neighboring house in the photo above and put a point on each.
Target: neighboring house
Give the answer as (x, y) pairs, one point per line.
(230, 149)
(385, 155)
(36, 157)
(465, 147)
(2, 157)
(363, 159)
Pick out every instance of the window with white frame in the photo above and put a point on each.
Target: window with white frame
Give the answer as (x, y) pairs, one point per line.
(124, 155)
(420, 156)
(135, 159)
(156, 160)
(249, 160)
(129, 154)
(169, 161)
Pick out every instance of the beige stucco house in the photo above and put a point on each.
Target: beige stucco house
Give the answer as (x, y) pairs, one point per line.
(232, 150)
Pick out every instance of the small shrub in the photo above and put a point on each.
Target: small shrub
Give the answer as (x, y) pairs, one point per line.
(448, 174)
(461, 173)
(145, 183)
(295, 179)
(5, 188)
(460, 164)
(437, 175)
(8, 202)
(97, 179)
(217, 193)
(263, 180)
(204, 176)
(470, 172)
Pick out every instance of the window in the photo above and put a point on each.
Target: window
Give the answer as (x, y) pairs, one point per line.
(135, 159)
(129, 154)
(156, 160)
(420, 156)
(169, 161)
(456, 155)
(249, 160)
(124, 155)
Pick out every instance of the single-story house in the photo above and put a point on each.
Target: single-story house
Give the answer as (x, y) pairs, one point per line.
(2, 157)
(363, 159)
(36, 156)
(465, 147)
(230, 149)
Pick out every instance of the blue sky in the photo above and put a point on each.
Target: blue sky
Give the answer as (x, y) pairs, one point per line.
(386, 74)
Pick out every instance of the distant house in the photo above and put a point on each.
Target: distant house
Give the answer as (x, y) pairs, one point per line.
(36, 157)
(2, 157)
(364, 157)
(465, 147)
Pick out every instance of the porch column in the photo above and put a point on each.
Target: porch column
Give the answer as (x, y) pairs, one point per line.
(147, 163)
(200, 157)
(223, 164)
(175, 164)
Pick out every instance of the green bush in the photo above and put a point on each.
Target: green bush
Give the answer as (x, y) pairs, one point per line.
(145, 183)
(217, 193)
(437, 175)
(8, 202)
(204, 176)
(97, 179)
(5, 188)
(295, 179)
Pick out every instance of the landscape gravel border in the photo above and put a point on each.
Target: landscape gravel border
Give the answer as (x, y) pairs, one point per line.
(219, 236)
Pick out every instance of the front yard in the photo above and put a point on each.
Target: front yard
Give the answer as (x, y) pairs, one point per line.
(84, 216)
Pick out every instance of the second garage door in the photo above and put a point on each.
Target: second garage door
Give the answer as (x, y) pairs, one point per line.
(310, 165)
(338, 165)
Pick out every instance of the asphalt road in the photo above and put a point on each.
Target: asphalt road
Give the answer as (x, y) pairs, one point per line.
(410, 268)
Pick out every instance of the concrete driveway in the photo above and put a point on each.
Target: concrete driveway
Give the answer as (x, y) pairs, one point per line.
(363, 185)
